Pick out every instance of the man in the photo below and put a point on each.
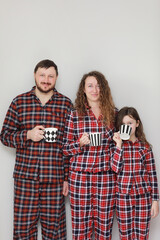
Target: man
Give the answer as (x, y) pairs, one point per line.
(40, 173)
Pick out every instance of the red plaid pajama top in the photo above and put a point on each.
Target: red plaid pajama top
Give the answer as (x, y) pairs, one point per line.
(87, 158)
(135, 166)
(41, 161)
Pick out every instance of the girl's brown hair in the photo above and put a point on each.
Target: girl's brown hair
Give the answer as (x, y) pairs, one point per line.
(132, 112)
(106, 102)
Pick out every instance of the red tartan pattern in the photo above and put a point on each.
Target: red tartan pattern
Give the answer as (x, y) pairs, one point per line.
(92, 198)
(41, 161)
(87, 158)
(135, 166)
(133, 216)
(33, 201)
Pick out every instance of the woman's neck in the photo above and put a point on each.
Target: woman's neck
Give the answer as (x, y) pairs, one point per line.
(95, 109)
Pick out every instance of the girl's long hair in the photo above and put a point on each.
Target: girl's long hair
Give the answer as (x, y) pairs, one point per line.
(132, 112)
(106, 102)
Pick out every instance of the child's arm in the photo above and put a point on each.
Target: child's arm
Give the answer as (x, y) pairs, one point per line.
(155, 209)
(151, 169)
(117, 139)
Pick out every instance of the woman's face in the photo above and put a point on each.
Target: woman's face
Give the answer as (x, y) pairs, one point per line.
(92, 89)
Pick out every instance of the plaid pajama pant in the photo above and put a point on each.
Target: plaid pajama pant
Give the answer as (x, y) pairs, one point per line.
(133, 216)
(34, 201)
(92, 198)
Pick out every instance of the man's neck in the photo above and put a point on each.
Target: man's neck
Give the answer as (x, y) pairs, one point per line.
(43, 97)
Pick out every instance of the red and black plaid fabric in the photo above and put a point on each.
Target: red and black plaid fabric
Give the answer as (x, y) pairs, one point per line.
(133, 216)
(41, 161)
(92, 198)
(135, 166)
(34, 200)
(87, 158)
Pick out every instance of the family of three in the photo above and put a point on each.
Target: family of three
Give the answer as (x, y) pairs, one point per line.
(115, 175)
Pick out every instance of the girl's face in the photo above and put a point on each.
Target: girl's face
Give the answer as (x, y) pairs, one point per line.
(133, 124)
(92, 89)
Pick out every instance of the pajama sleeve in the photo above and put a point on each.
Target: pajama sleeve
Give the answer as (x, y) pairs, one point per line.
(71, 144)
(116, 160)
(12, 135)
(151, 169)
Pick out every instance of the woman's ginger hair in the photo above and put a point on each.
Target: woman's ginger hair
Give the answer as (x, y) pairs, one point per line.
(132, 113)
(106, 102)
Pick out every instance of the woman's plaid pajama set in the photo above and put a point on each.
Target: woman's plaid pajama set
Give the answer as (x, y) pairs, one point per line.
(91, 182)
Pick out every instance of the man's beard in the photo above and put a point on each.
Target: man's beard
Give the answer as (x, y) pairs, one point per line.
(45, 91)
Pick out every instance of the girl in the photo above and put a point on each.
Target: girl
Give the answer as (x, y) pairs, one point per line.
(137, 188)
(91, 182)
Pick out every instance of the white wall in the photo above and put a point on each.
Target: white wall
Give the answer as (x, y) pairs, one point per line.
(117, 37)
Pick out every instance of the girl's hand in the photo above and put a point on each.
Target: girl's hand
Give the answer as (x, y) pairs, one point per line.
(84, 140)
(117, 139)
(154, 209)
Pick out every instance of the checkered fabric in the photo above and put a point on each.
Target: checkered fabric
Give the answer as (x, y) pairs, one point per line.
(135, 166)
(92, 198)
(87, 158)
(37, 160)
(133, 216)
(33, 201)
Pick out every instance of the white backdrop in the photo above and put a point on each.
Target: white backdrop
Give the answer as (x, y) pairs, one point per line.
(120, 38)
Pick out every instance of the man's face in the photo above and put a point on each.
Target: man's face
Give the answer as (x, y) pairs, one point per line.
(45, 79)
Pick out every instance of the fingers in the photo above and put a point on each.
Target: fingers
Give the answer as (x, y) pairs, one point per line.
(84, 140)
(36, 134)
(65, 188)
(40, 127)
(155, 209)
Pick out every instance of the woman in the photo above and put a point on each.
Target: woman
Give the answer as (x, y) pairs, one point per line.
(91, 182)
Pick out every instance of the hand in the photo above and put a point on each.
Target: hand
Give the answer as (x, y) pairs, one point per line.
(36, 134)
(154, 209)
(65, 188)
(84, 140)
(117, 139)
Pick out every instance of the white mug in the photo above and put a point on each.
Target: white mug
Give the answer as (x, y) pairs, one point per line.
(50, 134)
(95, 139)
(125, 132)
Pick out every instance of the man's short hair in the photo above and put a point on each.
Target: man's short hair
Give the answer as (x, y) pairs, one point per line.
(46, 64)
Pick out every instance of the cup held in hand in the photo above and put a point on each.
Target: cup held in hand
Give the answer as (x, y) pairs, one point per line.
(95, 139)
(125, 132)
(50, 134)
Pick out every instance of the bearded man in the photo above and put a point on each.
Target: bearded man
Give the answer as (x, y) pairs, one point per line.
(41, 171)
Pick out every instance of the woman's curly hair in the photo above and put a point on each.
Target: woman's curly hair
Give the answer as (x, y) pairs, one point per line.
(106, 102)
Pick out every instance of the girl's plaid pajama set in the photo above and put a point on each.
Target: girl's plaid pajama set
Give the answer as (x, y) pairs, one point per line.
(40, 168)
(136, 188)
(91, 182)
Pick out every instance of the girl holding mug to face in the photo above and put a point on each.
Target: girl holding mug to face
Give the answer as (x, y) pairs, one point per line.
(137, 187)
